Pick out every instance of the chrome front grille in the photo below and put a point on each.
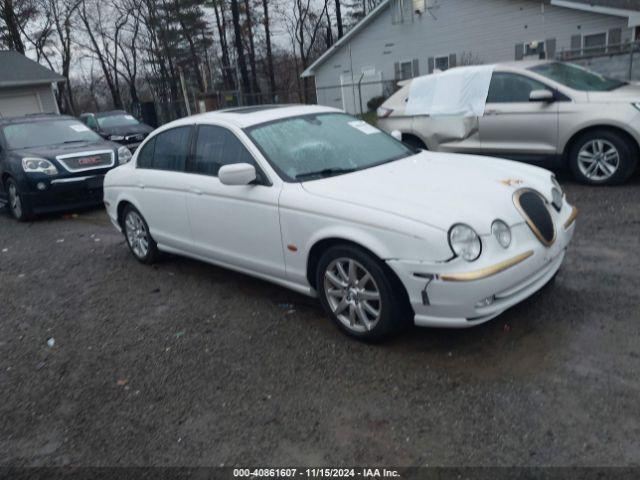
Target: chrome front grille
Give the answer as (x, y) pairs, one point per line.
(83, 161)
(533, 207)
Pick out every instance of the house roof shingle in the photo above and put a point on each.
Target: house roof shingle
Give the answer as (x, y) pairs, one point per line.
(17, 70)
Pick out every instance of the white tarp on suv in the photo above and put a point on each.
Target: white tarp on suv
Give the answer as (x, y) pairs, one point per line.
(460, 91)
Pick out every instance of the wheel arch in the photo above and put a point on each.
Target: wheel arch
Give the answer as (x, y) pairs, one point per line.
(322, 245)
(121, 205)
(591, 128)
(413, 136)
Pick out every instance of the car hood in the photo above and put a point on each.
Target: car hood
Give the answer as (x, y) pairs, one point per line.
(127, 130)
(50, 152)
(627, 93)
(439, 189)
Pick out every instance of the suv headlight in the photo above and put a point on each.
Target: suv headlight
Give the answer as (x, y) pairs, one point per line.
(557, 195)
(38, 165)
(502, 232)
(116, 138)
(465, 242)
(636, 105)
(124, 155)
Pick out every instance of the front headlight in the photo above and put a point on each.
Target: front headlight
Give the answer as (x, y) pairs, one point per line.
(636, 105)
(38, 165)
(465, 242)
(502, 232)
(116, 138)
(124, 155)
(557, 195)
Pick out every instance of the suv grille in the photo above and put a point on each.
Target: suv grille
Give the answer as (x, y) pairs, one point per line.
(79, 162)
(534, 209)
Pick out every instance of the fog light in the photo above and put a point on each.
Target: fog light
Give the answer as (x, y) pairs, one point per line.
(41, 186)
(486, 302)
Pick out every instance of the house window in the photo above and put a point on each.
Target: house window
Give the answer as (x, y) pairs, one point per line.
(406, 70)
(594, 44)
(442, 63)
(534, 49)
(397, 11)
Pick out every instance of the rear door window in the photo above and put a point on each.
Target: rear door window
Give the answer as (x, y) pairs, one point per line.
(168, 150)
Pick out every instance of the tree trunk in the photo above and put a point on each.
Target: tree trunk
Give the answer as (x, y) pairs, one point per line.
(235, 13)
(267, 31)
(227, 74)
(339, 19)
(252, 50)
(13, 29)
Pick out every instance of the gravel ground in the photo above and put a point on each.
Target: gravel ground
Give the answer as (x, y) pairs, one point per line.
(183, 363)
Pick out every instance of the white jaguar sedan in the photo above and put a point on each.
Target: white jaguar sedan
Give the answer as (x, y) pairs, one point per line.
(319, 202)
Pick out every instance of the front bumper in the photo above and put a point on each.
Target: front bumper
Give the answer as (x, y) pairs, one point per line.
(451, 294)
(64, 193)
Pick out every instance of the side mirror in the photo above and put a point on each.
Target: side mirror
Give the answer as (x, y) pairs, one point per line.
(237, 174)
(541, 96)
(397, 134)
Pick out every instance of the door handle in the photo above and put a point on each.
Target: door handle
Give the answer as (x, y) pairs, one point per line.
(491, 112)
(197, 191)
(140, 185)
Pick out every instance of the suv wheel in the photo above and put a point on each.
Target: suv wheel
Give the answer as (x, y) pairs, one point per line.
(136, 231)
(358, 294)
(602, 157)
(18, 205)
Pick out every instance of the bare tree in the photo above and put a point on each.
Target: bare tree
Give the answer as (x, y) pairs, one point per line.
(242, 62)
(267, 32)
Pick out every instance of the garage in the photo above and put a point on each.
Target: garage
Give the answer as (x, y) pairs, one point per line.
(26, 87)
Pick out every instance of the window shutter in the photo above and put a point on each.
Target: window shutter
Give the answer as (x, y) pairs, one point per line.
(576, 44)
(416, 68)
(430, 64)
(396, 69)
(519, 51)
(550, 48)
(615, 39)
(452, 60)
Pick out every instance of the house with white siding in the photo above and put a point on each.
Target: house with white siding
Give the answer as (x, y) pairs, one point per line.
(401, 39)
(26, 87)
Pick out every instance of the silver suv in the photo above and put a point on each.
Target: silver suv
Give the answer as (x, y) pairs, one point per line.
(550, 113)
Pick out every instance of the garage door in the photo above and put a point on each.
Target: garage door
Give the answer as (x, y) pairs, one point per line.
(17, 105)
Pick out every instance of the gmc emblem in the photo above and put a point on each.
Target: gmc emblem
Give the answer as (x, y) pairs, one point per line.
(90, 161)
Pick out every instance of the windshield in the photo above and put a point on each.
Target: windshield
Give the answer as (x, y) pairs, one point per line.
(316, 146)
(120, 120)
(49, 132)
(576, 77)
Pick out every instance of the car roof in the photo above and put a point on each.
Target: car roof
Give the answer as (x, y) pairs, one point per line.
(244, 117)
(110, 113)
(35, 118)
(524, 64)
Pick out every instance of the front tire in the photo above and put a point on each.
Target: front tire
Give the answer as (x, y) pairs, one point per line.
(602, 157)
(359, 295)
(18, 206)
(136, 232)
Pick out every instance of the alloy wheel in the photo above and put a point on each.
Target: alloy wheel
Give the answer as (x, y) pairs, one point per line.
(352, 294)
(598, 160)
(15, 203)
(137, 234)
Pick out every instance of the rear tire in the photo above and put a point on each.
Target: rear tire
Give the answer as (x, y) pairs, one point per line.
(603, 157)
(357, 293)
(18, 206)
(136, 232)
